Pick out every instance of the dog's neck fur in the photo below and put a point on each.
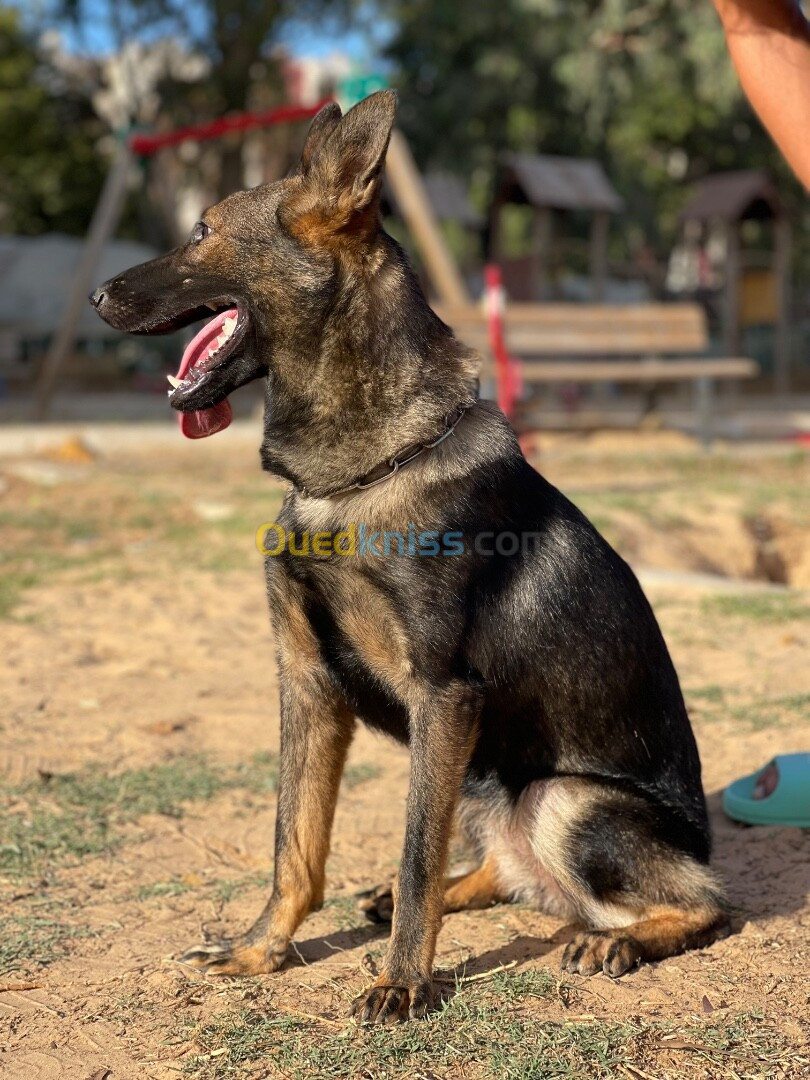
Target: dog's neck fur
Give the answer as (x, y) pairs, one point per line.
(371, 372)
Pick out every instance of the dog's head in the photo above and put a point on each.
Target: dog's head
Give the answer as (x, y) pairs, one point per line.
(268, 261)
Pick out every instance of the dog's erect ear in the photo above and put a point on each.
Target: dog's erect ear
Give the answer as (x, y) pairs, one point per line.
(349, 162)
(321, 127)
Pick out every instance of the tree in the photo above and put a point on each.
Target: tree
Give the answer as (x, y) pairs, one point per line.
(659, 101)
(645, 87)
(473, 84)
(50, 172)
(233, 35)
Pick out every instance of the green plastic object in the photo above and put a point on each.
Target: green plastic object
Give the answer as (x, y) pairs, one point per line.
(788, 804)
(353, 89)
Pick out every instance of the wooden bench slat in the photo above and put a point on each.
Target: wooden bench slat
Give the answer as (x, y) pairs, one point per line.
(528, 343)
(600, 314)
(587, 329)
(575, 341)
(674, 370)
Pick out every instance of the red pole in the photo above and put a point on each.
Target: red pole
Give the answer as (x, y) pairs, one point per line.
(507, 368)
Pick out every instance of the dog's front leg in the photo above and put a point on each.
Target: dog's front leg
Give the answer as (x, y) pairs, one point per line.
(316, 729)
(443, 727)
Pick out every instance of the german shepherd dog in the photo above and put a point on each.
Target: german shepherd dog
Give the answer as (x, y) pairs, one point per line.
(533, 686)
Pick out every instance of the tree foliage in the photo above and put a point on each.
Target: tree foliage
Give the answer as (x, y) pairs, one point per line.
(645, 87)
(50, 171)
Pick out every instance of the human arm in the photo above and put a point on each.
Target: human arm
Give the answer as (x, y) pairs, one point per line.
(769, 42)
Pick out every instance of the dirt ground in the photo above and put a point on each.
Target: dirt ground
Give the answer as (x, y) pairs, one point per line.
(138, 734)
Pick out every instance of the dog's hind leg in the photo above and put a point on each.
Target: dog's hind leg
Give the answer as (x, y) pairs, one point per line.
(633, 872)
(659, 932)
(482, 822)
(479, 888)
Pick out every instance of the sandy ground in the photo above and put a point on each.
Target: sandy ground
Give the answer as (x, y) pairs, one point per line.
(138, 658)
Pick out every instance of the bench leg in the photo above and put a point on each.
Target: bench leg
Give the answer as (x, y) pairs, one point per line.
(704, 387)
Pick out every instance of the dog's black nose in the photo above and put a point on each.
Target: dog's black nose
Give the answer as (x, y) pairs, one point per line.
(97, 298)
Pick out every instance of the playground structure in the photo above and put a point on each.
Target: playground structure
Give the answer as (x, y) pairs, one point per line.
(553, 186)
(564, 344)
(755, 291)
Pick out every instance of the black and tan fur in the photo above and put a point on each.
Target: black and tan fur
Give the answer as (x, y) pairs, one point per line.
(535, 690)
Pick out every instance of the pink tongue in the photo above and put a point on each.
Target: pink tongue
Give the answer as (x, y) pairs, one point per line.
(204, 422)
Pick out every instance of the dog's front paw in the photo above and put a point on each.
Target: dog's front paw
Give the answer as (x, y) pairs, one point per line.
(610, 951)
(235, 958)
(390, 1002)
(378, 904)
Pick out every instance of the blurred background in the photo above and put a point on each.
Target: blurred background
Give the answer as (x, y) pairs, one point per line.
(595, 151)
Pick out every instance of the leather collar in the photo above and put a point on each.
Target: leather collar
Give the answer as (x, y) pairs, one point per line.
(388, 469)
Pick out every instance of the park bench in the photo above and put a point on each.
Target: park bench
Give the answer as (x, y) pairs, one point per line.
(645, 344)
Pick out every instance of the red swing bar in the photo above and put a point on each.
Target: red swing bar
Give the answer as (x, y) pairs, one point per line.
(146, 145)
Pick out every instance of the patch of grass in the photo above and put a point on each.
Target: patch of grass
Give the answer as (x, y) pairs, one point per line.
(779, 712)
(746, 1045)
(714, 695)
(756, 715)
(531, 983)
(795, 701)
(32, 564)
(346, 912)
(160, 889)
(637, 502)
(80, 530)
(500, 1031)
(225, 891)
(360, 773)
(12, 586)
(223, 562)
(142, 521)
(31, 940)
(221, 892)
(775, 607)
(219, 546)
(69, 817)
(259, 775)
(127, 1008)
(159, 789)
(66, 818)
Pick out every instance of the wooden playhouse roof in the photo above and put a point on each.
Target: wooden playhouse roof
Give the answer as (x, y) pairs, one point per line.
(557, 183)
(732, 196)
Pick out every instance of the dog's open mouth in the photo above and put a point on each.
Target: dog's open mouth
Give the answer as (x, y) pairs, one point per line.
(218, 340)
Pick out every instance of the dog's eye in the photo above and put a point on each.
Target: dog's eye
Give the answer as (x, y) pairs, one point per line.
(199, 232)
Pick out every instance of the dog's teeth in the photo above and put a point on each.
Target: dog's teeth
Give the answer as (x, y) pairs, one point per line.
(213, 307)
(175, 382)
(229, 325)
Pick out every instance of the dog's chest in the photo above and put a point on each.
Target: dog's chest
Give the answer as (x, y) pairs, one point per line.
(368, 624)
(361, 639)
